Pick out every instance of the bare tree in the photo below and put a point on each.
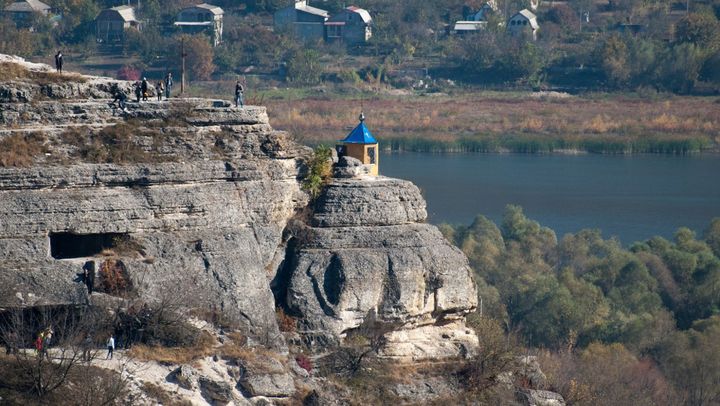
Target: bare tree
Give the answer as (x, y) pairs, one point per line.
(360, 344)
(59, 332)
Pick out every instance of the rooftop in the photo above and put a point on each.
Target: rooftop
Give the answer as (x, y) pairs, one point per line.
(362, 12)
(213, 9)
(127, 13)
(27, 6)
(302, 6)
(360, 134)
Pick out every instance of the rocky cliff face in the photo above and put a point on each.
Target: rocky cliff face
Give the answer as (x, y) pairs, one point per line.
(200, 202)
(368, 252)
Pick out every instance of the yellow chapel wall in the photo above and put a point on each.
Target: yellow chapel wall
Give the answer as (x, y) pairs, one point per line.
(360, 151)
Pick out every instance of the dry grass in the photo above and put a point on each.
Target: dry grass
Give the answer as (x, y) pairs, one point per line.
(164, 397)
(14, 71)
(204, 347)
(494, 115)
(20, 150)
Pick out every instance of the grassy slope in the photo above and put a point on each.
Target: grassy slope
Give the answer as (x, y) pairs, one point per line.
(492, 121)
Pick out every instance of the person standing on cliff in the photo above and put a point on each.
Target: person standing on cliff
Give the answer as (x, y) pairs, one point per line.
(110, 347)
(168, 85)
(239, 90)
(159, 89)
(89, 276)
(138, 91)
(59, 61)
(144, 88)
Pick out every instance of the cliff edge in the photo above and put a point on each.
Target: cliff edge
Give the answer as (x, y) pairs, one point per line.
(195, 201)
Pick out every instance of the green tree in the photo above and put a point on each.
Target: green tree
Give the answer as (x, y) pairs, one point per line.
(319, 171)
(613, 58)
(702, 30)
(303, 67)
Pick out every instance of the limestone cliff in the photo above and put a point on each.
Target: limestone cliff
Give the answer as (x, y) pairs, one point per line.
(202, 202)
(367, 250)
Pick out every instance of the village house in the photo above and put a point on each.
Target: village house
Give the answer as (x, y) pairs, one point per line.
(111, 23)
(202, 18)
(352, 25)
(22, 12)
(464, 27)
(523, 23)
(483, 13)
(304, 21)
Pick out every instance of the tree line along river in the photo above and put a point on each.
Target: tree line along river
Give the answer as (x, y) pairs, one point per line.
(632, 197)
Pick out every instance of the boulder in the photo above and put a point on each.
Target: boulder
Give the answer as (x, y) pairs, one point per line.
(349, 167)
(532, 397)
(216, 392)
(264, 376)
(268, 385)
(186, 376)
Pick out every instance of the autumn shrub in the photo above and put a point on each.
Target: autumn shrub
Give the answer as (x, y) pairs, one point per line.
(20, 150)
(304, 362)
(128, 72)
(286, 323)
(114, 278)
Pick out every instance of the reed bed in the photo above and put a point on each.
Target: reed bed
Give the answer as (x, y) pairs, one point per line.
(493, 123)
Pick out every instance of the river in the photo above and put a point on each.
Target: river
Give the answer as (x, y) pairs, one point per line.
(631, 197)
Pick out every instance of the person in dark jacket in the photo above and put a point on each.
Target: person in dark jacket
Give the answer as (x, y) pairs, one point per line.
(89, 275)
(59, 61)
(138, 91)
(168, 84)
(239, 90)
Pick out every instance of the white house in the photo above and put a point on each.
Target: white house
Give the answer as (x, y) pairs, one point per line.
(202, 18)
(22, 12)
(111, 23)
(306, 22)
(352, 25)
(522, 23)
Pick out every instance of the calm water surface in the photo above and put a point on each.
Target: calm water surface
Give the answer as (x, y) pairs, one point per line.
(631, 197)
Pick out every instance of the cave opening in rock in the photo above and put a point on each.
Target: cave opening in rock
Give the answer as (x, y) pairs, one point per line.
(70, 245)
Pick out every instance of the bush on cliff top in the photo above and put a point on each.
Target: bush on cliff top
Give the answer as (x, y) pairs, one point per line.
(319, 171)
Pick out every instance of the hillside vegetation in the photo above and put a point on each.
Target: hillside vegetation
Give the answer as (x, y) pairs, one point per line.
(612, 325)
(616, 45)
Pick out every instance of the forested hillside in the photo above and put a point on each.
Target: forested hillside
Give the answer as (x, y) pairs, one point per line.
(582, 44)
(613, 325)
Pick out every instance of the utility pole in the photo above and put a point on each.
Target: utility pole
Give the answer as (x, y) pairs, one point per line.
(182, 72)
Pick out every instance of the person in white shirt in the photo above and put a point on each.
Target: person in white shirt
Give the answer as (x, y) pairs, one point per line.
(110, 347)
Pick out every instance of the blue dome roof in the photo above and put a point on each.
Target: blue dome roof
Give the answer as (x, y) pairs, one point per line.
(360, 135)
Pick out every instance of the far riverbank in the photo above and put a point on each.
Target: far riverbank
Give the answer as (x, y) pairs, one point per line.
(511, 122)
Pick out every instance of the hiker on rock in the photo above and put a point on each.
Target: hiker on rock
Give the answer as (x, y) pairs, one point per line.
(239, 90)
(89, 266)
(87, 347)
(59, 62)
(159, 90)
(38, 343)
(110, 347)
(144, 88)
(168, 84)
(138, 91)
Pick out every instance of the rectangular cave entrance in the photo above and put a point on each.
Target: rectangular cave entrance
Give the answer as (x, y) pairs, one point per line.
(70, 245)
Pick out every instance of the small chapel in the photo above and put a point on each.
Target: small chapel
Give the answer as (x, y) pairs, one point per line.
(361, 144)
